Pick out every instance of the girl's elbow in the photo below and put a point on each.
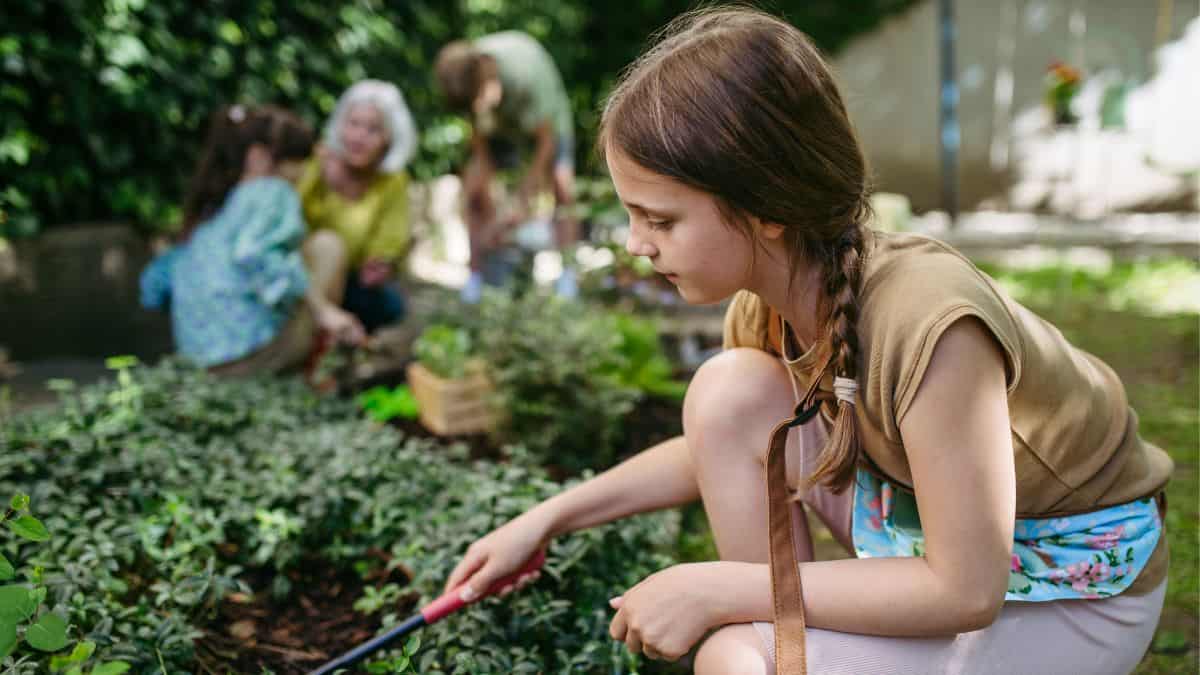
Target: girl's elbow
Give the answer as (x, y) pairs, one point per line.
(980, 609)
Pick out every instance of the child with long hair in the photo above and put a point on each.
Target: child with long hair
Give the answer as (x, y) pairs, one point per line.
(241, 296)
(987, 475)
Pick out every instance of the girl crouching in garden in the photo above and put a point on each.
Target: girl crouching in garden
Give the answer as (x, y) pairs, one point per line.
(241, 297)
(987, 475)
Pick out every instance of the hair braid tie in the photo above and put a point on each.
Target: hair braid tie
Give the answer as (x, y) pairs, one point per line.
(845, 389)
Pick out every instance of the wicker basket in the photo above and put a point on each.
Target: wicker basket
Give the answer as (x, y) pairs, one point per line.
(452, 407)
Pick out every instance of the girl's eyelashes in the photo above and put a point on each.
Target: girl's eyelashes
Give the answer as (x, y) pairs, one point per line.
(658, 224)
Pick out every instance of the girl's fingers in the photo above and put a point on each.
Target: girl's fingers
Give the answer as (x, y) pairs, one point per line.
(466, 567)
(633, 642)
(618, 627)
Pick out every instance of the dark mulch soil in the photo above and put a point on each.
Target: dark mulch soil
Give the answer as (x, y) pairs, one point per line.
(315, 623)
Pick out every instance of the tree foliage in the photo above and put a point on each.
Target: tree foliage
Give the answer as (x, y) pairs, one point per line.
(102, 103)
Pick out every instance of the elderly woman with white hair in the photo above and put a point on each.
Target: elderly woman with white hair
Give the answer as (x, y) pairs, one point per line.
(356, 186)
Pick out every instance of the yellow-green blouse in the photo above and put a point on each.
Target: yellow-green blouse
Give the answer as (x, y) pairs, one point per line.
(375, 226)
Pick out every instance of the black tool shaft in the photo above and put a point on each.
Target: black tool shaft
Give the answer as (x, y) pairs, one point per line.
(360, 652)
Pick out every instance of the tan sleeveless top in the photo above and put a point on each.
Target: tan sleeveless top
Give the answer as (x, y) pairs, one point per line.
(1075, 440)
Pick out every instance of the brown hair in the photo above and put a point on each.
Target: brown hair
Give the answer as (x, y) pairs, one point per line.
(458, 71)
(231, 132)
(741, 105)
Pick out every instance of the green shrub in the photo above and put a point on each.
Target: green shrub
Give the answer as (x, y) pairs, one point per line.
(102, 105)
(643, 363)
(554, 364)
(163, 485)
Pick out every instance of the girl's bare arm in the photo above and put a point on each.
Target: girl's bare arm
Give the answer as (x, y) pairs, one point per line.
(958, 440)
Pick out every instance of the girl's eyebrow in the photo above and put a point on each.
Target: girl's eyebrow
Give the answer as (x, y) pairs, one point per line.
(646, 209)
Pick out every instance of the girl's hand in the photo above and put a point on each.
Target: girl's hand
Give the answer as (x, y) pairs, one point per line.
(375, 272)
(669, 611)
(342, 325)
(498, 554)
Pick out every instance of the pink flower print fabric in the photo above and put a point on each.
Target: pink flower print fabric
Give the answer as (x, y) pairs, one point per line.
(1090, 555)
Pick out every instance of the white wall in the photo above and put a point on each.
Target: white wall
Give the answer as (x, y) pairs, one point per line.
(891, 80)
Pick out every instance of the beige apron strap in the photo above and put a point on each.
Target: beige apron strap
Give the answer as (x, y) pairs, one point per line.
(787, 595)
(788, 598)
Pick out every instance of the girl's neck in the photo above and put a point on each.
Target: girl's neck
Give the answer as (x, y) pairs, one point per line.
(797, 298)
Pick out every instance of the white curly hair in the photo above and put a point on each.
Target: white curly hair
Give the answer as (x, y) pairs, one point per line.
(388, 100)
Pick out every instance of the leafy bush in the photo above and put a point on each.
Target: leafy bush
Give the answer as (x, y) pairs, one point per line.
(166, 484)
(644, 365)
(554, 364)
(102, 104)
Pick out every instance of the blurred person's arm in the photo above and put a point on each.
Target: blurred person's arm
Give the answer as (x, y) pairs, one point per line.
(392, 233)
(267, 248)
(155, 282)
(537, 177)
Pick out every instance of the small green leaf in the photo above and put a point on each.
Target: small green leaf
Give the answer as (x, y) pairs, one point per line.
(30, 528)
(20, 502)
(49, 634)
(120, 362)
(6, 569)
(82, 652)
(17, 603)
(111, 668)
(8, 637)
(413, 644)
(60, 385)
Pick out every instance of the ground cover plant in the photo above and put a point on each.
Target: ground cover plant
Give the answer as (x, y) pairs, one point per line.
(187, 509)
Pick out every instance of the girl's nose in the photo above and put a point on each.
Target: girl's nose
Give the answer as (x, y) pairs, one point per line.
(637, 245)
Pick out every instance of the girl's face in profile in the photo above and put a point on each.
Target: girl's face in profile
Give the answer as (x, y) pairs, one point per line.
(364, 137)
(682, 232)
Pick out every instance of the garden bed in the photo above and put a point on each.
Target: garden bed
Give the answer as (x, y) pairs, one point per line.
(180, 507)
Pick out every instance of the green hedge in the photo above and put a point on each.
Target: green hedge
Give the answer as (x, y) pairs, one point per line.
(102, 103)
(144, 481)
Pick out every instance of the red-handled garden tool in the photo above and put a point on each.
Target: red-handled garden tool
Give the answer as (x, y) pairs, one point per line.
(448, 603)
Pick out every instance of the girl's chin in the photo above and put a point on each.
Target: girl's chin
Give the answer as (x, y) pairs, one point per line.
(694, 296)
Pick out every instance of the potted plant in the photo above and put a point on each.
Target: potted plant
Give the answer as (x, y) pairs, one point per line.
(1062, 84)
(451, 386)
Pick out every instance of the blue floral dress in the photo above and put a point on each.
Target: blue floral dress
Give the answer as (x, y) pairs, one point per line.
(236, 281)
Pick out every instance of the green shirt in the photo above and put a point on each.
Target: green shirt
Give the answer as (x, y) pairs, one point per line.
(533, 89)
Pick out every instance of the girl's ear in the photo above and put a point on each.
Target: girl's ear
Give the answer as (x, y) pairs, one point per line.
(767, 230)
